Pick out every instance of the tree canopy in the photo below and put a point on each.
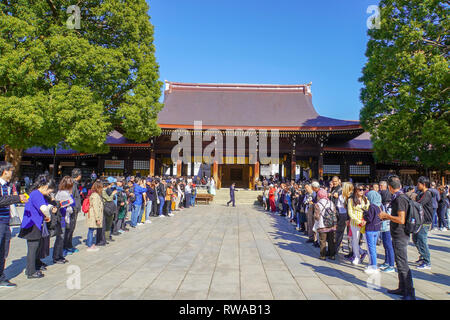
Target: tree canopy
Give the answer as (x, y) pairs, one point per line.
(73, 86)
(406, 83)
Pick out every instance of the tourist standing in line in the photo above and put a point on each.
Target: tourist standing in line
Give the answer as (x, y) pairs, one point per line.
(420, 239)
(109, 207)
(435, 201)
(168, 200)
(338, 200)
(138, 190)
(347, 193)
(309, 209)
(64, 195)
(326, 233)
(272, 191)
(265, 196)
(6, 200)
(179, 194)
(389, 258)
(121, 198)
(37, 213)
(150, 195)
(68, 234)
(160, 194)
(373, 226)
(94, 219)
(357, 204)
(443, 206)
(400, 239)
(187, 194)
(193, 194)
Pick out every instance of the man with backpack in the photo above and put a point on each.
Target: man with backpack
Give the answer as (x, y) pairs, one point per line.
(400, 206)
(420, 239)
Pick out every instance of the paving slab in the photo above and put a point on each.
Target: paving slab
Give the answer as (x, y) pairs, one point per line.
(219, 253)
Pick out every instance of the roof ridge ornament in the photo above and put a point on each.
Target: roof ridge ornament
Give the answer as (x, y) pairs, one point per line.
(167, 88)
(308, 88)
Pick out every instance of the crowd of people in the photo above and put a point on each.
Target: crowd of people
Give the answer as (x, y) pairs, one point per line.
(366, 213)
(51, 210)
(373, 214)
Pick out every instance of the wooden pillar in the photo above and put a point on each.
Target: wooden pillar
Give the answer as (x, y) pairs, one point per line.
(293, 158)
(256, 170)
(215, 172)
(280, 169)
(321, 163)
(178, 168)
(152, 163)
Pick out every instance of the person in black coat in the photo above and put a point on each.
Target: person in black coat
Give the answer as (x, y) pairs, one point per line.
(68, 234)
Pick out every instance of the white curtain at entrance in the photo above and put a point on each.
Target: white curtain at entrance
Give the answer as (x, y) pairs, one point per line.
(174, 172)
(197, 166)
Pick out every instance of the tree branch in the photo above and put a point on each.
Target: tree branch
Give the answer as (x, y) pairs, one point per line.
(53, 8)
(434, 43)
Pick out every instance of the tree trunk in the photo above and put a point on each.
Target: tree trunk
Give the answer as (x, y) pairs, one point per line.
(14, 156)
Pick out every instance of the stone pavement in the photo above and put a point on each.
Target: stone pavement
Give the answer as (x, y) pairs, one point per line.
(217, 252)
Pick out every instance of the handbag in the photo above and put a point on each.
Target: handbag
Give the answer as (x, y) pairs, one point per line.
(14, 220)
(44, 230)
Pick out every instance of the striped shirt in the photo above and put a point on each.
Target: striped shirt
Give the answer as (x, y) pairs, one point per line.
(4, 211)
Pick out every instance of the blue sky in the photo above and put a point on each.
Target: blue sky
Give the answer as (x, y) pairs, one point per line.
(267, 42)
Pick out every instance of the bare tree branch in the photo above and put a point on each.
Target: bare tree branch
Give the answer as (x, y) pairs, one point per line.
(53, 8)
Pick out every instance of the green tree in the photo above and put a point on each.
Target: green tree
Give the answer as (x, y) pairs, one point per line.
(406, 83)
(60, 84)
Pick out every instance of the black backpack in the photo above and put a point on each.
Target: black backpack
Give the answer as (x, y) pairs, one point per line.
(414, 217)
(109, 207)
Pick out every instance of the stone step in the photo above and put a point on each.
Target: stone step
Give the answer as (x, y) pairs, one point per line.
(242, 196)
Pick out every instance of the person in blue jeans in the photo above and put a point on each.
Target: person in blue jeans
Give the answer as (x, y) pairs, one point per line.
(443, 206)
(193, 195)
(136, 214)
(160, 193)
(435, 198)
(420, 239)
(389, 263)
(373, 226)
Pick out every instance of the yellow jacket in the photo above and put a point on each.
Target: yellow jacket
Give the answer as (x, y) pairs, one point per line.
(355, 212)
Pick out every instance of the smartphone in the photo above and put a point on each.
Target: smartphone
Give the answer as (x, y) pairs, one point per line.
(66, 203)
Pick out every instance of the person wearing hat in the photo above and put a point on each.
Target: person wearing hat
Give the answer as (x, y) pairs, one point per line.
(110, 207)
(121, 203)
